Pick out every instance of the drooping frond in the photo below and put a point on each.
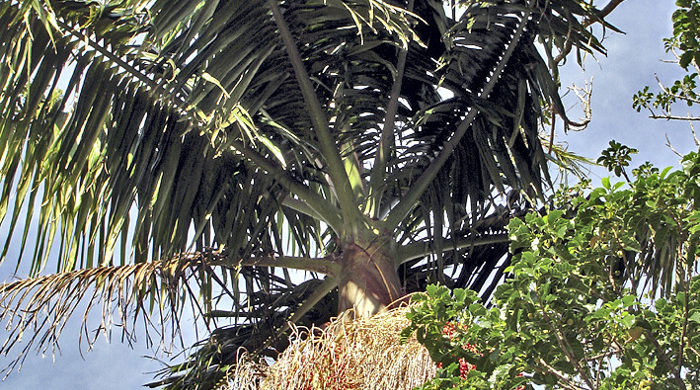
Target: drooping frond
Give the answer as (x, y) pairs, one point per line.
(156, 294)
(37, 309)
(214, 358)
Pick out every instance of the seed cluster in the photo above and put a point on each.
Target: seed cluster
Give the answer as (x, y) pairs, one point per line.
(450, 331)
(361, 354)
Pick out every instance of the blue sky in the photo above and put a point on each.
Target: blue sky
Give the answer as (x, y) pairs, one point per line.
(633, 60)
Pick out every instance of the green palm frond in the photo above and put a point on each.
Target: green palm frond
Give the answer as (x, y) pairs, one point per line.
(134, 131)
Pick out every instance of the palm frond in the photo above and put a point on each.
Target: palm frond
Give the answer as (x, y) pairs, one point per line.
(40, 307)
(187, 126)
(501, 153)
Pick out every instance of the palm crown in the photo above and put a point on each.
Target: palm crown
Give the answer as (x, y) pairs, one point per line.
(206, 148)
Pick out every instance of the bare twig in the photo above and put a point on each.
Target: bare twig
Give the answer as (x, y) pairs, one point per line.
(695, 351)
(609, 8)
(674, 117)
(605, 354)
(695, 135)
(670, 146)
(584, 96)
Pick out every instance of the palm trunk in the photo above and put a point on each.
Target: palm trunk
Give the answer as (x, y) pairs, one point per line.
(368, 279)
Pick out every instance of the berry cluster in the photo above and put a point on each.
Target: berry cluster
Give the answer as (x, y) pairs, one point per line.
(450, 331)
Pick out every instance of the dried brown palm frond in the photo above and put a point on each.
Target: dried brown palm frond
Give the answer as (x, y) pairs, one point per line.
(365, 353)
(41, 306)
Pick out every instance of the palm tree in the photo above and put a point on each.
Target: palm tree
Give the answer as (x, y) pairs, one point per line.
(205, 149)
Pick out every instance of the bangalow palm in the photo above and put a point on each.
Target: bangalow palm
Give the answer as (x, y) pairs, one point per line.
(203, 150)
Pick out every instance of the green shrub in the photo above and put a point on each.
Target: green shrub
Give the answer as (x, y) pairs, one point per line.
(603, 293)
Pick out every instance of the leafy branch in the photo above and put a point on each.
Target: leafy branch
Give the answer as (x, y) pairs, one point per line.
(567, 317)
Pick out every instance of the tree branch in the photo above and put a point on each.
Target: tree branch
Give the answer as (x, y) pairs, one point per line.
(43, 304)
(560, 375)
(665, 358)
(686, 313)
(565, 347)
(675, 117)
(327, 144)
(410, 199)
(112, 57)
(157, 89)
(666, 91)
